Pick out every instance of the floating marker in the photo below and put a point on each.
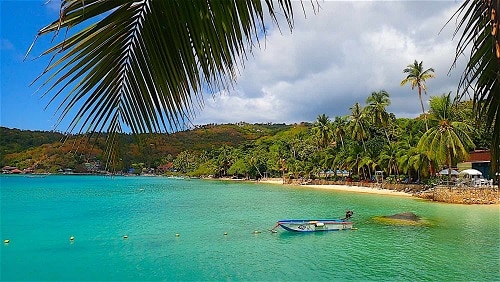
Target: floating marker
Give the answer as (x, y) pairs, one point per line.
(125, 237)
(71, 238)
(177, 235)
(256, 232)
(6, 241)
(225, 233)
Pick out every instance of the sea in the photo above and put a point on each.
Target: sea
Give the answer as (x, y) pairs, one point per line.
(101, 228)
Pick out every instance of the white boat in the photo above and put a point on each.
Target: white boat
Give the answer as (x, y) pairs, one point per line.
(314, 225)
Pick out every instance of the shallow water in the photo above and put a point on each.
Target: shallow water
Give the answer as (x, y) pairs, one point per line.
(39, 215)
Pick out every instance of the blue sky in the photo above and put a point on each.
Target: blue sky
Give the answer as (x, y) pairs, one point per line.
(21, 107)
(330, 61)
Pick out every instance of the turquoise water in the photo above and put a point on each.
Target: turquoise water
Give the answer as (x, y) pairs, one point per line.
(39, 215)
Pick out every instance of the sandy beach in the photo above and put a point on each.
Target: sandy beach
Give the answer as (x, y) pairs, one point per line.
(345, 188)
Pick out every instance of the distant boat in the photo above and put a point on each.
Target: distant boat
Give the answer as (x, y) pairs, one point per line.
(37, 175)
(315, 225)
(176, 177)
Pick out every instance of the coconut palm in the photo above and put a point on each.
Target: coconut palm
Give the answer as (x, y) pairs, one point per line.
(322, 129)
(144, 65)
(414, 159)
(339, 123)
(367, 162)
(377, 102)
(340, 159)
(479, 25)
(449, 139)
(357, 124)
(388, 159)
(417, 77)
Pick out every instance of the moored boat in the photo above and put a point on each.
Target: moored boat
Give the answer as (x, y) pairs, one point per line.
(314, 225)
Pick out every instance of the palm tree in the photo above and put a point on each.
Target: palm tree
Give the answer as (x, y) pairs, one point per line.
(224, 159)
(479, 23)
(377, 102)
(416, 77)
(322, 129)
(388, 159)
(340, 160)
(339, 123)
(369, 162)
(414, 159)
(357, 124)
(144, 65)
(449, 139)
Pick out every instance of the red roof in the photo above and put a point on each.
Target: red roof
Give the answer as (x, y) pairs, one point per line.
(480, 156)
(166, 166)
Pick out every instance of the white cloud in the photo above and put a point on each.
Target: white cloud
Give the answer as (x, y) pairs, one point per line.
(338, 57)
(5, 44)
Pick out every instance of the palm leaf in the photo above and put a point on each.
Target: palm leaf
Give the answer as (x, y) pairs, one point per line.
(481, 78)
(144, 66)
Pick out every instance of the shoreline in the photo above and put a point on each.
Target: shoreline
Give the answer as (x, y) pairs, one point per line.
(345, 188)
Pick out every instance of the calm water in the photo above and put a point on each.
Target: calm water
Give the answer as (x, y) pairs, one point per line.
(39, 215)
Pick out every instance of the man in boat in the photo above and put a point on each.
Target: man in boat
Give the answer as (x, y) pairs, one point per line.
(348, 214)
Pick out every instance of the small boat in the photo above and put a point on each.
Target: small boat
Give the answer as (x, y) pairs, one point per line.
(314, 225)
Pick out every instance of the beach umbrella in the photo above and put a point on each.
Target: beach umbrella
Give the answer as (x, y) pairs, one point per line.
(342, 172)
(445, 172)
(471, 172)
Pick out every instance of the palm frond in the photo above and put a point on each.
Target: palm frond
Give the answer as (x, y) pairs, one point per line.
(480, 21)
(145, 64)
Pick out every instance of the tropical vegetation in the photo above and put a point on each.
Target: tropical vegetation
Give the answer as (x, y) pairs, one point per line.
(400, 147)
(449, 139)
(143, 65)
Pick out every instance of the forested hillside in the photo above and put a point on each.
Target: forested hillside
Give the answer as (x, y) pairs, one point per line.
(15, 140)
(51, 151)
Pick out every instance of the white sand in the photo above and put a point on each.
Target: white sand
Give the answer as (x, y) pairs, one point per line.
(361, 190)
(345, 188)
(271, 180)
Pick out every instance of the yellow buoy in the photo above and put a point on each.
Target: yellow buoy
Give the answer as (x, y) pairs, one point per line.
(225, 233)
(71, 238)
(177, 235)
(125, 236)
(6, 241)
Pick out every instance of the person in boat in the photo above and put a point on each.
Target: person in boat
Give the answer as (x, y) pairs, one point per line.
(348, 214)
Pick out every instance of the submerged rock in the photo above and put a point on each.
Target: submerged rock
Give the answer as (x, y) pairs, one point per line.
(405, 218)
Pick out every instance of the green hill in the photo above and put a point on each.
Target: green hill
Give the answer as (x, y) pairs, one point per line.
(51, 151)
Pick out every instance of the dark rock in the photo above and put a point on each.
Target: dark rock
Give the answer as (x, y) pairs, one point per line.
(404, 216)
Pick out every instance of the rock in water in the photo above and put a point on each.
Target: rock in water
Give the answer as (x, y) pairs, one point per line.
(404, 219)
(404, 216)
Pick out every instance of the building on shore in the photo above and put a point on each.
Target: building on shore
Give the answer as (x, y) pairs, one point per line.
(479, 160)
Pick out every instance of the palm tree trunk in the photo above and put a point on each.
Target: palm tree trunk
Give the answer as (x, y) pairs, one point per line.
(423, 110)
(449, 166)
(387, 136)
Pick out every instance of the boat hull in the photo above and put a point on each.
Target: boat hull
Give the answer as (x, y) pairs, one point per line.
(305, 225)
